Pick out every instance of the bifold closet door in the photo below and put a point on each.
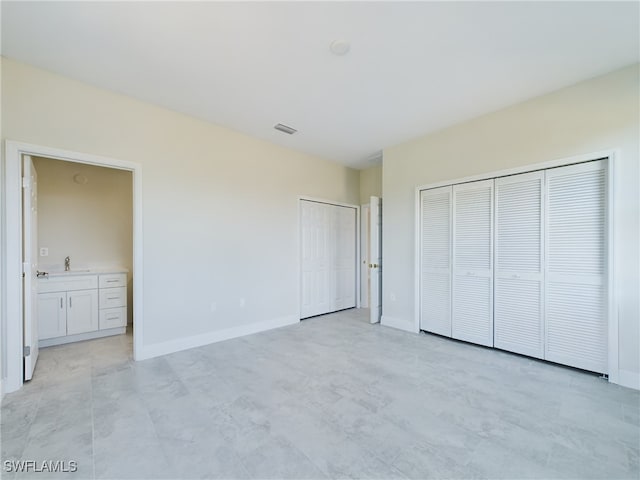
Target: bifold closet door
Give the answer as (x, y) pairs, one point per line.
(316, 251)
(518, 293)
(472, 299)
(435, 262)
(575, 303)
(345, 257)
(328, 258)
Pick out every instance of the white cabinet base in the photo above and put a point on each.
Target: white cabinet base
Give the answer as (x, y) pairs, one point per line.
(77, 307)
(49, 342)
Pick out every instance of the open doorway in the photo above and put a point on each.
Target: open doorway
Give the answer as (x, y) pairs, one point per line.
(90, 292)
(81, 235)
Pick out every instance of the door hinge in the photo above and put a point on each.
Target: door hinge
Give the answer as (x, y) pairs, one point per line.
(26, 351)
(25, 182)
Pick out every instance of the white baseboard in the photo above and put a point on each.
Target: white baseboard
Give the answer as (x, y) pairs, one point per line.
(194, 341)
(388, 321)
(629, 379)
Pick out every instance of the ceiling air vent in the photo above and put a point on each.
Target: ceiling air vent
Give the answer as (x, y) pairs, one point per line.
(285, 129)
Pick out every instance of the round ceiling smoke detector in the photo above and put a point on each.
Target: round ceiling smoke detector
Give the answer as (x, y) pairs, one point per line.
(80, 179)
(340, 47)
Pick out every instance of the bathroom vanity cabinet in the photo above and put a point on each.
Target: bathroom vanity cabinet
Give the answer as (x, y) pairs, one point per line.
(74, 306)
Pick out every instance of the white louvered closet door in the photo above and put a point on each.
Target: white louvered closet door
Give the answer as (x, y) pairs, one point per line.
(435, 263)
(576, 326)
(472, 300)
(518, 292)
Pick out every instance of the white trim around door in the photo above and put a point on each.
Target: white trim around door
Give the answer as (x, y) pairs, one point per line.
(12, 253)
(613, 203)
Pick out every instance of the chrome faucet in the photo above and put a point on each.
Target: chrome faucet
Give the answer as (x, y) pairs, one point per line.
(67, 264)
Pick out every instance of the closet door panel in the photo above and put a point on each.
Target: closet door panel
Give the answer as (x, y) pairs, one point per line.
(472, 312)
(575, 306)
(318, 236)
(435, 263)
(345, 257)
(518, 295)
(328, 258)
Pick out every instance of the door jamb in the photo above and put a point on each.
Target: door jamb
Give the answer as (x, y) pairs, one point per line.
(12, 252)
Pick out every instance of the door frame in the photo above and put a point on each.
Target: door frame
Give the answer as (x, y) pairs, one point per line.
(610, 156)
(299, 245)
(12, 318)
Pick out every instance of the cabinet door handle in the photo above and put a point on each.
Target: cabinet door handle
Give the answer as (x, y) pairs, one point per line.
(113, 298)
(111, 281)
(70, 302)
(60, 302)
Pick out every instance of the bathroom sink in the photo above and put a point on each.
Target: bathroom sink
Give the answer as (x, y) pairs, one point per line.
(73, 271)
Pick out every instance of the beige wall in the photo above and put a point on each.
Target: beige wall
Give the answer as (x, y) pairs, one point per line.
(370, 183)
(220, 209)
(591, 116)
(91, 222)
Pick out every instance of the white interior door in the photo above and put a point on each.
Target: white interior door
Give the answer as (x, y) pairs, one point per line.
(575, 301)
(518, 296)
(364, 256)
(30, 265)
(472, 299)
(328, 258)
(345, 260)
(435, 262)
(375, 274)
(316, 252)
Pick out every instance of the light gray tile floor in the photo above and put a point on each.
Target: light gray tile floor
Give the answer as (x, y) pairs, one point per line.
(332, 397)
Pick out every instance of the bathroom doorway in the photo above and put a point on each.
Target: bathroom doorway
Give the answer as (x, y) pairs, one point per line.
(88, 259)
(84, 260)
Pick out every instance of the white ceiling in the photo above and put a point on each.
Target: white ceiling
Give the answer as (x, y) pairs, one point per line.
(412, 68)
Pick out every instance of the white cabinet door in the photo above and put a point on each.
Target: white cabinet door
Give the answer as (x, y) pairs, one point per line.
(518, 295)
(435, 261)
(575, 301)
(52, 315)
(82, 311)
(472, 313)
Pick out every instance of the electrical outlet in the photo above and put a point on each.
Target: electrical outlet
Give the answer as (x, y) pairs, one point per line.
(392, 297)
(242, 302)
(214, 307)
(44, 252)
